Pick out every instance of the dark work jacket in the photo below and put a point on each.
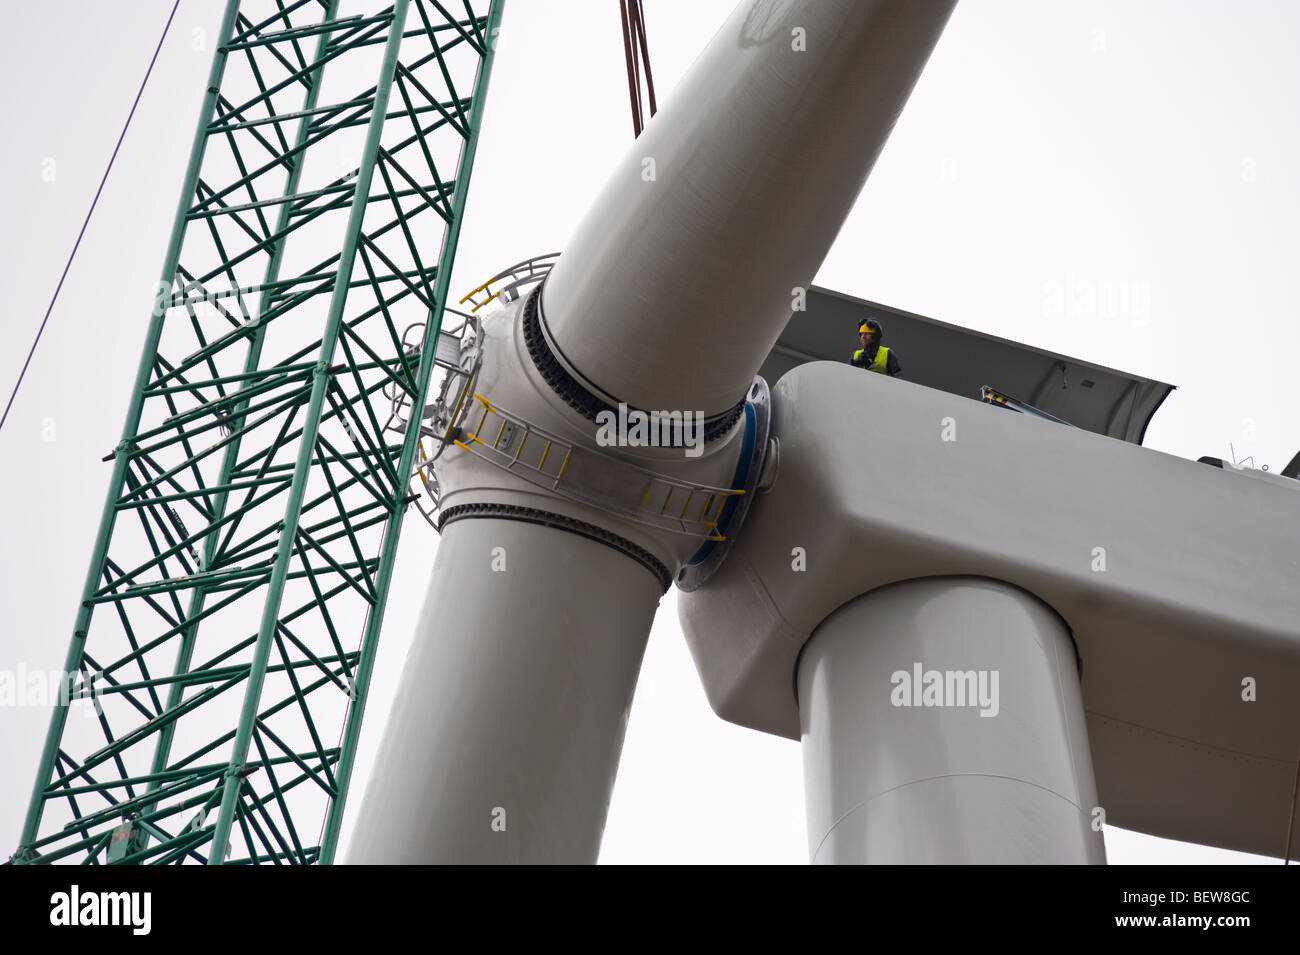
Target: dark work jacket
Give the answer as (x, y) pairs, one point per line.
(892, 367)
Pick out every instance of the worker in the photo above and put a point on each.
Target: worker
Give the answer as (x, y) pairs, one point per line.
(874, 356)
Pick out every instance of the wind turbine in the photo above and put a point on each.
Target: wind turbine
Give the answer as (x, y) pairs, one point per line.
(993, 633)
(514, 699)
(988, 652)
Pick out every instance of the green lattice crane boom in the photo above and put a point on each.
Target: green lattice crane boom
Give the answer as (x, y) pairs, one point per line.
(227, 631)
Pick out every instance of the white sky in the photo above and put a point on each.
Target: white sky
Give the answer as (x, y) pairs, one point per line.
(1051, 151)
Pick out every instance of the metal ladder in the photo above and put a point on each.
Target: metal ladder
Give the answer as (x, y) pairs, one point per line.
(583, 474)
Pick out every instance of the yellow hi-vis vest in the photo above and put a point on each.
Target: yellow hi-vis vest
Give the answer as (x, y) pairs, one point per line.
(880, 363)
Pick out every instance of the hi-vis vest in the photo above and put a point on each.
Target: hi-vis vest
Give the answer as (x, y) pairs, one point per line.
(879, 363)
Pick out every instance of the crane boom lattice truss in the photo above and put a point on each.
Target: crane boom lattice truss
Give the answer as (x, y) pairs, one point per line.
(223, 648)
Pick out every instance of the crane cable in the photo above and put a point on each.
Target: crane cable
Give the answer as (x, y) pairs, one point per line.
(637, 54)
(89, 213)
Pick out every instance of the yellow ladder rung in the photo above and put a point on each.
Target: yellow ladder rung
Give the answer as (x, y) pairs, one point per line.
(686, 503)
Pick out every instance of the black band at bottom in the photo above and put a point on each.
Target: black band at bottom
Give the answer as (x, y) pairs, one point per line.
(532, 515)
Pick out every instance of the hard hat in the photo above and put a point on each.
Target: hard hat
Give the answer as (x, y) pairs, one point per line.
(872, 326)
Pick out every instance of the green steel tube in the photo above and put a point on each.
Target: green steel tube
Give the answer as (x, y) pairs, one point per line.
(76, 649)
(185, 652)
(338, 299)
(370, 641)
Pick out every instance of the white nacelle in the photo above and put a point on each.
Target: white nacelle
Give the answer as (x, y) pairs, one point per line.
(1177, 580)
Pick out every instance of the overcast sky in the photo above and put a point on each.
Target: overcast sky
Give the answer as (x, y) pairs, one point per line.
(1051, 151)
